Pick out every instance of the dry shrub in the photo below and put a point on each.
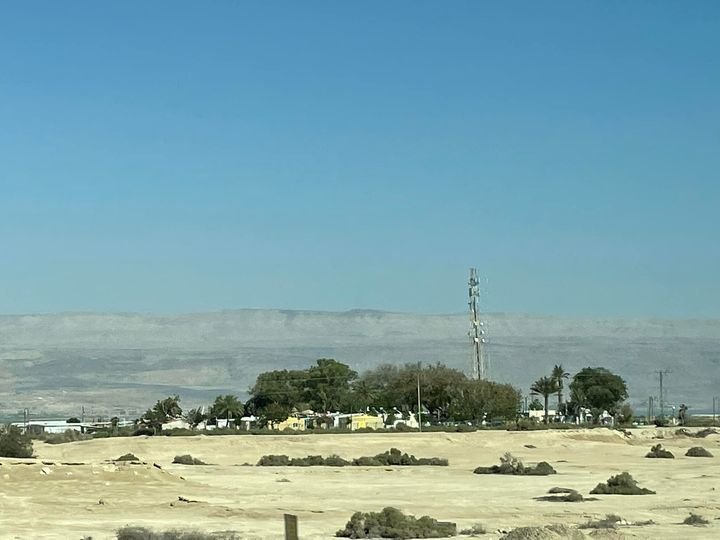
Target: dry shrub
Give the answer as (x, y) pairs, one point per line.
(143, 533)
(509, 464)
(273, 460)
(610, 521)
(476, 530)
(658, 451)
(187, 459)
(392, 523)
(621, 484)
(695, 520)
(698, 451)
(128, 457)
(548, 532)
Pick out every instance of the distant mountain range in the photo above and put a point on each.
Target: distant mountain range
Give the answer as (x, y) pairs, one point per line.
(121, 363)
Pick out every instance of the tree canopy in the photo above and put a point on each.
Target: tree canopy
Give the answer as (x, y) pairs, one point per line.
(598, 389)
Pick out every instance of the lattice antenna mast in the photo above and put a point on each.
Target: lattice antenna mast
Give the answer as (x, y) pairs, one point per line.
(478, 328)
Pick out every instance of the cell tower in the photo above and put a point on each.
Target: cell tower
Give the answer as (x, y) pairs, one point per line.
(478, 329)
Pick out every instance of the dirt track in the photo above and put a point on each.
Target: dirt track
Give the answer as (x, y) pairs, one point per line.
(63, 501)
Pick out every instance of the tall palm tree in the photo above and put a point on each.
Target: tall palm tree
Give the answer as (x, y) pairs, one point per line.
(227, 407)
(544, 386)
(558, 374)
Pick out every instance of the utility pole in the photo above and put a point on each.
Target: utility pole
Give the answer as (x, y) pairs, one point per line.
(478, 329)
(662, 372)
(418, 393)
(715, 399)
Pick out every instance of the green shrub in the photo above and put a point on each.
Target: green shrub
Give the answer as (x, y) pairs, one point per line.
(392, 523)
(658, 451)
(698, 451)
(143, 431)
(395, 457)
(694, 519)
(274, 461)
(15, 444)
(128, 457)
(509, 464)
(366, 462)
(621, 484)
(187, 459)
(143, 533)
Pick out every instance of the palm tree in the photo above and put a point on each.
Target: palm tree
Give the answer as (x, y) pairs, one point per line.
(545, 386)
(558, 374)
(227, 407)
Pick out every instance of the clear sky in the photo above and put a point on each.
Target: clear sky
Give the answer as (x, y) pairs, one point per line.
(184, 156)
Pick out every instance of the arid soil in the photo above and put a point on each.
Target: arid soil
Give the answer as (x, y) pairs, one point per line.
(73, 490)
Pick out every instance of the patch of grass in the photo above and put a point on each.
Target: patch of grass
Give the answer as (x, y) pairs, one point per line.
(621, 484)
(610, 521)
(143, 533)
(187, 459)
(509, 464)
(128, 457)
(392, 523)
(658, 451)
(698, 451)
(695, 520)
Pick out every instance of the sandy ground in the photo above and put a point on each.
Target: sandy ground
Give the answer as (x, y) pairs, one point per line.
(64, 499)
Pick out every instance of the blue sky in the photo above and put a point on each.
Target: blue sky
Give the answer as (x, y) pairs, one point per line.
(184, 156)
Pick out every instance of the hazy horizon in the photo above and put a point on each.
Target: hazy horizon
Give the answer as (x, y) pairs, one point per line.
(360, 156)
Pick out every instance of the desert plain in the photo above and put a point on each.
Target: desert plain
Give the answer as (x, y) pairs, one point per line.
(75, 490)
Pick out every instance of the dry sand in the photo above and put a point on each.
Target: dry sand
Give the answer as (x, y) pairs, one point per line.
(64, 500)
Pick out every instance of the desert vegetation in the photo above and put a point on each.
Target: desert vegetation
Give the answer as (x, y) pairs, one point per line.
(128, 457)
(509, 464)
(15, 444)
(390, 458)
(657, 451)
(559, 494)
(698, 451)
(143, 533)
(187, 459)
(621, 484)
(392, 523)
(695, 520)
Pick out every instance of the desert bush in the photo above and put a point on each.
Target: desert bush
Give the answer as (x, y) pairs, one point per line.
(694, 519)
(658, 451)
(309, 461)
(698, 451)
(610, 521)
(396, 457)
(273, 460)
(548, 532)
(14, 443)
(366, 462)
(69, 435)
(705, 432)
(392, 523)
(143, 431)
(509, 464)
(336, 461)
(621, 484)
(128, 457)
(556, 490)
(143, 533)
(187, 459)
(566, 495)
(476, 530)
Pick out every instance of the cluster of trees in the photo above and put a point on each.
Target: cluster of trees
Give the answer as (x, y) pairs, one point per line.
(447, 395)
(596, 389)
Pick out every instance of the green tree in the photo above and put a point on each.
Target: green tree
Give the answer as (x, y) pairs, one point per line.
(227, 407)
(195, 417)
(598, 389)
(559, 375)
(327, 385)
(163, 411)
(274, 413)
(544, 386)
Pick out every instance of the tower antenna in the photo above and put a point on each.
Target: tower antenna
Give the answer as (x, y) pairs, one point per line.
(478, 329)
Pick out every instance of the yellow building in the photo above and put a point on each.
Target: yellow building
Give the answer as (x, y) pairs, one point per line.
(366, 421)
(292, 422)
